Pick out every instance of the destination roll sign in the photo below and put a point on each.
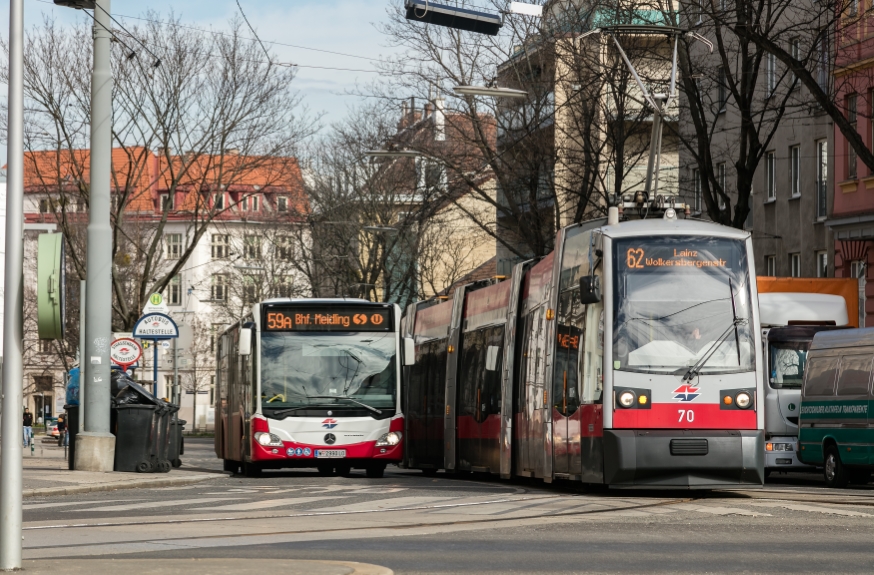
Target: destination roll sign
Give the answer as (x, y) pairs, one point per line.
(666, 256)
(314, 318)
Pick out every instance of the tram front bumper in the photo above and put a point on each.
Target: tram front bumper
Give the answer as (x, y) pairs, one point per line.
(699, 459)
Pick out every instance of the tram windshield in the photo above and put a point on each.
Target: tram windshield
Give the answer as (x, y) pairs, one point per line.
(323, 369)
(682, 301)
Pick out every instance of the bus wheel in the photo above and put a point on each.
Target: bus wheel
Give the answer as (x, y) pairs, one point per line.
(251, 469)
(232, 466)
(325, 470)
(834, 471)
(375, 471)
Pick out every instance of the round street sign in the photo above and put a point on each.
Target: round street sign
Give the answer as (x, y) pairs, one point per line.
(125, 352)
(156, 326)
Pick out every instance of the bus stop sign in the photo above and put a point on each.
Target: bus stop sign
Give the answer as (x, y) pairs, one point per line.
(156, 326)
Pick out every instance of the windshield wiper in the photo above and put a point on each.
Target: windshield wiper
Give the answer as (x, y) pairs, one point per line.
(290, 409)
(734, 315)
(694, 369)
(355, 401)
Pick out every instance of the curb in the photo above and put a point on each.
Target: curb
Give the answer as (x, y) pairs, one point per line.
(75, 566)
(117, 485)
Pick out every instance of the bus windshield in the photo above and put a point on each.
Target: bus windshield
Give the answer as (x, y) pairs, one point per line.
(318, 369)
(679, 300)
(787, 364)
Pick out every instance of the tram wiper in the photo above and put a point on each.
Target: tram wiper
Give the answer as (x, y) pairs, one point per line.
(694, 369)
(355, 401)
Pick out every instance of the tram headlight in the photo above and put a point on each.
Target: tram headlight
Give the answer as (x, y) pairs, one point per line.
(389, 439)
(743, 400)
(626, 398)
(268, 439)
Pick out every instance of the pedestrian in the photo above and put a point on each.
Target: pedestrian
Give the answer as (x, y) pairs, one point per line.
(28, 426)
(62, 431)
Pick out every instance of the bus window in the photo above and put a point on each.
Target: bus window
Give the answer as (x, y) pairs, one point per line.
(787, 364)
(821, 376)
(855, 375)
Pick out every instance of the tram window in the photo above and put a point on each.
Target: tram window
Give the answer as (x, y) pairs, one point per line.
(565, 383)
(523, 378)
(821, 376)
(593, 358)
(479, 387)
(855, 375)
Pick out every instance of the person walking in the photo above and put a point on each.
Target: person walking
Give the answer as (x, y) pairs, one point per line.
(62, 430)
(28, 426)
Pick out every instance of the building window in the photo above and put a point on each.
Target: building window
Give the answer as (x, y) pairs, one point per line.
(720, 177)
(795, 170)
(822, 62)
(219, 287)
(771, 266)
(46, 346)
(250, 290)
(214, 335)
(252, 247)
(822, 264)
(256, 203)
(795, 52)
(284, 248)
(218, 201)
(174, 246)
(44, 206)
(795, 265)
(770, 73)
(852, 101)
(821, 179)
(853, 8)
(696, 191)
(220, 246)
(284, 287)
(281, 204)
(212, 390)
(771, 175)
(168, 386)
(174, 291)
(858, 271)
(722, 88)
(166, 202)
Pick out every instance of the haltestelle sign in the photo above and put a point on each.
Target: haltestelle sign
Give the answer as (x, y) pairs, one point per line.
(125, 352)
(156, 326)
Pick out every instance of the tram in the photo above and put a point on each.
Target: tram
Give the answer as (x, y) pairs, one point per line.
(629, 356)
(310, 383)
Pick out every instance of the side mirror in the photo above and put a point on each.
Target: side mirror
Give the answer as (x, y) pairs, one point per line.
(409, 351)
(245, 345)
(590, 289)
(492, 358)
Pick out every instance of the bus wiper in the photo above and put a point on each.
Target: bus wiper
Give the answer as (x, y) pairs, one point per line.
(355, 401)
(288, 410)
(694, 369)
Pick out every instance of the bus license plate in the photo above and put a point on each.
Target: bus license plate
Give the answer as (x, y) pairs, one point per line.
(330, 453)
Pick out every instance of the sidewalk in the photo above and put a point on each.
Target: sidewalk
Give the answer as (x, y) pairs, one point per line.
(200, 566)
(45, 473)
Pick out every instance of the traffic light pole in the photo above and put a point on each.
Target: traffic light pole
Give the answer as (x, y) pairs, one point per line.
(11, 436)
(95, 449)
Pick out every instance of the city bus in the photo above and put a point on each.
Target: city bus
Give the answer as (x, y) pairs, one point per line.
(789, 322)
(310, 383)
(629, 356)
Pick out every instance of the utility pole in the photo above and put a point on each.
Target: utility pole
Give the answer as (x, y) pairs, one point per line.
(95, 449)
(13, 302)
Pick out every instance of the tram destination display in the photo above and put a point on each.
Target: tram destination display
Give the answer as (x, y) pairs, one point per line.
(332, 318)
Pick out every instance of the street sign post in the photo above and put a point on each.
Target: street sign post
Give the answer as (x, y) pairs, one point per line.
(156, 327)
(125, 352)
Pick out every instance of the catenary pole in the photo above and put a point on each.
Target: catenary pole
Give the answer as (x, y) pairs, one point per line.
(82, 285)
(95, 449)
(11, 436)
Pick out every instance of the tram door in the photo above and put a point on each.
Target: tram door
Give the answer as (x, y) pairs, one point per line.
(565, 384)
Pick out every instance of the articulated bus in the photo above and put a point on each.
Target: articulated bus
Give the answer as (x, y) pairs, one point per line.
(310, 383)
(629, 356)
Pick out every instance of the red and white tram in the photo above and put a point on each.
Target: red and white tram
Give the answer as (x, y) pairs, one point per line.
(310, 383)
(629, 356)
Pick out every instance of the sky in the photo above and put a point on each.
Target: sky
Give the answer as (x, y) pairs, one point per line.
(346, 26)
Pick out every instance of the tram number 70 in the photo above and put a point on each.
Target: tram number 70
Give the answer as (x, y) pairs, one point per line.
(686, 415)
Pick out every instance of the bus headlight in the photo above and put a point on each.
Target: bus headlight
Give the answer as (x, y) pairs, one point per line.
(626, 398)
(389, 439)
(743, 400)
(268, 439)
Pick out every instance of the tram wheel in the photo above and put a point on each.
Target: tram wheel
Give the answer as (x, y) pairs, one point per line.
(375, 471)
(325, 470)
(835, 473)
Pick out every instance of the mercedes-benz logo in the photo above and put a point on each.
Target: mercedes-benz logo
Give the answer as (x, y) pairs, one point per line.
(330, 438)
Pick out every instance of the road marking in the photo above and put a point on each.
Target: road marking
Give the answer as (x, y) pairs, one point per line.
(46, 505)
(153, 504)
(385, 503)
(812, 509)
(715, 510)
(269, 503)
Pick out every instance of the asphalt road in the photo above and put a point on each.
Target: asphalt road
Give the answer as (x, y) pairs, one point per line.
(416, 524)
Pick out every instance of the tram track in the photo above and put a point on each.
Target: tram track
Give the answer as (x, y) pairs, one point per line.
(406, 526)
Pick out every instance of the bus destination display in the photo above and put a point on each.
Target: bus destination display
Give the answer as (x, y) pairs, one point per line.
(640, 258)
(328, 319)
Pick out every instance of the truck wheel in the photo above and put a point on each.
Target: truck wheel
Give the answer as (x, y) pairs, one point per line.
(834, 471)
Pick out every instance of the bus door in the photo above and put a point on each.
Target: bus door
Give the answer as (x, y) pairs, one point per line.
(565, 385)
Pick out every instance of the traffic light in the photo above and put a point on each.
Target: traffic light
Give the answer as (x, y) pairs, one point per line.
(452, 17)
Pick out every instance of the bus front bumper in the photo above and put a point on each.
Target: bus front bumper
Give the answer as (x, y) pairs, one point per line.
(784, 460)
(684, 459)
